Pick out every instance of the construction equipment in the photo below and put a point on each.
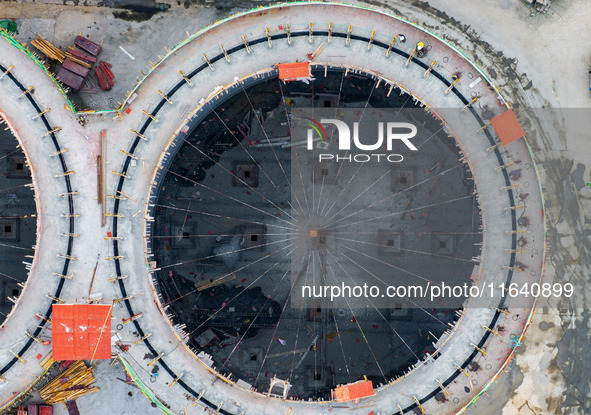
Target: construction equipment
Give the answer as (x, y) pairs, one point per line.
(76, 381)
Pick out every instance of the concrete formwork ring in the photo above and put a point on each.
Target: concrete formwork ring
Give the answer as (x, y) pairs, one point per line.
(213, 60)
(71, 212)
(493, 323)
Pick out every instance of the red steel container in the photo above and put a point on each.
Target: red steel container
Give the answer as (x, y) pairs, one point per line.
(81, 55)
(76, 68)
(70, 79)
(87, 45)
(72, 407)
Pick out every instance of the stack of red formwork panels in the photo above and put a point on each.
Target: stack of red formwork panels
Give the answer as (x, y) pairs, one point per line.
(77, 65)
(81, 55)
(76, 68)
(45, 410)
(105, 75)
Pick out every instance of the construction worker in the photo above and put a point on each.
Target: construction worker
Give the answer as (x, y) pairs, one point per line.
(401, 38)
(420, 49)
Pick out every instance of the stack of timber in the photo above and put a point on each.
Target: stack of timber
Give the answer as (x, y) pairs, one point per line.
(48, 49)
(76, 381)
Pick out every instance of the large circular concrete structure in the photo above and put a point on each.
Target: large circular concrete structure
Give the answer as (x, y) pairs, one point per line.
(499, 242)
(167, 113)
(233, 250)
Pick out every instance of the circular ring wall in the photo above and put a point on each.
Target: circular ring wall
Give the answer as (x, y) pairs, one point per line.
(27, 116)
(460, 365)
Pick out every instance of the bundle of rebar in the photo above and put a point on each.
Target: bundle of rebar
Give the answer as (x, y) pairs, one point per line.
(72, 383)
(48, 49)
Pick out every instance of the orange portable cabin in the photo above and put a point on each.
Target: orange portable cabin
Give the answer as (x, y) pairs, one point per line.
(81, 331)
(507, 127)
(354, 391)
(294, 71)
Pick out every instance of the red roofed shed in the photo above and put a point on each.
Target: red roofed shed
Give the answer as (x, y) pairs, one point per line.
(81, 331)
(293, 71)
(354, 391)
(507, 127)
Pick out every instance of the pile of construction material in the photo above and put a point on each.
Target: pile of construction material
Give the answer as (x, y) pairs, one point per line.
(104, 75)
(48, 49)
(76, 381)
(77, 62)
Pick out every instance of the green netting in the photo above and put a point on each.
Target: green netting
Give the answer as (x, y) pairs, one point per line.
(8, 25)
(147, 391)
